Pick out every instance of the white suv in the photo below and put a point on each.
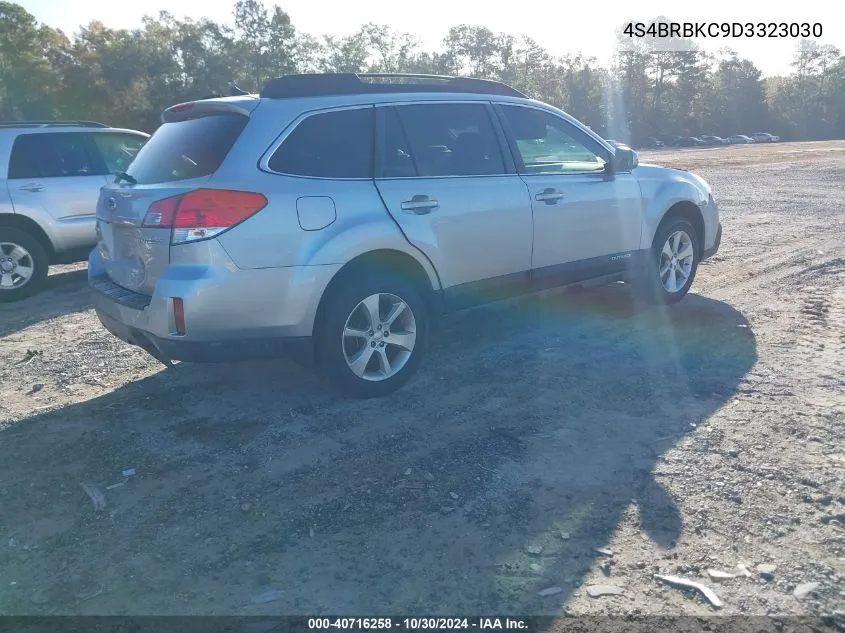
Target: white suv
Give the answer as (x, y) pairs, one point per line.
(341, 214)
(50, 177)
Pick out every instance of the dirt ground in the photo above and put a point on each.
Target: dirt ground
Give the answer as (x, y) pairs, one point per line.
(687, 439)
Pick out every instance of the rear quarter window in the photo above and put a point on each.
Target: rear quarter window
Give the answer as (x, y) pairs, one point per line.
(336, 144)
(180, 150)
(117, 150)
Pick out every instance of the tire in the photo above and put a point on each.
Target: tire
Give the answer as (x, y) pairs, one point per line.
(351, 305)
(655, 285)
(20, 251)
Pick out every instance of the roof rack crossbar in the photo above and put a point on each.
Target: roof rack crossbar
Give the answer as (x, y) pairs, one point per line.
(326, 84)
(52, 124)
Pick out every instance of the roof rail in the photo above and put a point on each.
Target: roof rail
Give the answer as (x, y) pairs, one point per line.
(325, 84)
(51, 124)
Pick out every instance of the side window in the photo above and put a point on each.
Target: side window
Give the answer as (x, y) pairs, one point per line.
(447, 139)
(52, 155)
(335, 144)
(548, 144)
(117, 150)
(396, 159)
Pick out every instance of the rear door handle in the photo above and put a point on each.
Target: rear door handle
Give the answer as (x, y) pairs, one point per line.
(420, 205)
(549, 196)
(33, 186)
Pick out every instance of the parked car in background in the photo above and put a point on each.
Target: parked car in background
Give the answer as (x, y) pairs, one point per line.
(654, 143)
(764, 137)
(690, 141)
(714, 140)
(283, 224)
(739, 139)
(50, 178)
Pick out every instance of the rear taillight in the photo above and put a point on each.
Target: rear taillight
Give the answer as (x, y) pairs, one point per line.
(203, 213)
(161, 213)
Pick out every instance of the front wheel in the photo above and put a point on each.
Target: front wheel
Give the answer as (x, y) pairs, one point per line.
(672, 263)
(23, 264)
(372, 335)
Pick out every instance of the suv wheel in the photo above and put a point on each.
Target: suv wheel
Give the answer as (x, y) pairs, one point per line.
(23, 264)
(672, 263)
(372, 336)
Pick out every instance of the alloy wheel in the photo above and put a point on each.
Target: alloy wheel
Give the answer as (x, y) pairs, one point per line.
(379, 337)
(16, 266)
(676, 260)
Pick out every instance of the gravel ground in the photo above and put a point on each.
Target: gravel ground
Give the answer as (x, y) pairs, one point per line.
(677, 441)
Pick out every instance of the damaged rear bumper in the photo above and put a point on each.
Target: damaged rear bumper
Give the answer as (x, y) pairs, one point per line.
(168, 350)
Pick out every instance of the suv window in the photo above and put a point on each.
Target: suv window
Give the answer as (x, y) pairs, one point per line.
(52, 155)
(336, 144)
(396, 159)
(442, 139)
(549, 144)
(117, 150)
(192, 148)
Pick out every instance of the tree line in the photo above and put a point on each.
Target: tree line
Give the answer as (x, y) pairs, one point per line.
(127, 77)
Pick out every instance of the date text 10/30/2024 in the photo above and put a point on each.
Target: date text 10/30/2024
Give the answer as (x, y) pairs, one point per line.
(415, 624)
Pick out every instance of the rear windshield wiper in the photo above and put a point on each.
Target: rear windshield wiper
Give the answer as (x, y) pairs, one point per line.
(122, 175)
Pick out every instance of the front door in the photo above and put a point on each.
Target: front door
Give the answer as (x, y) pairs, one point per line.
(586, 221)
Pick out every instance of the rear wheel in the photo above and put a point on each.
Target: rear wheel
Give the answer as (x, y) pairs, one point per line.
(23, 264)
(372, 335)
(672, 263)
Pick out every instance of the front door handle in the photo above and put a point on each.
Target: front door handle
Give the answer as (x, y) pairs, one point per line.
(549, 196)
(33, 186)
(420, 205)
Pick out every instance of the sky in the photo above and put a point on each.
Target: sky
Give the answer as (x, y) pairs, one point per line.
(560, 27)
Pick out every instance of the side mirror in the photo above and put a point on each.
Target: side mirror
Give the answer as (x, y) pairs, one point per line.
(624, 159)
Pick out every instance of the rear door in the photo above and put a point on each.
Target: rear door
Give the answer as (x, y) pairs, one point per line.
(445, 179)
(179, 157)
(57, 173)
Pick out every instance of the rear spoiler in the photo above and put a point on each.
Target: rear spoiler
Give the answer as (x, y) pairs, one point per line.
(243, 105)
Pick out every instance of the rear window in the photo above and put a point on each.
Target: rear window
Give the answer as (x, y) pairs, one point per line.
(180, 150)
(335, 144)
